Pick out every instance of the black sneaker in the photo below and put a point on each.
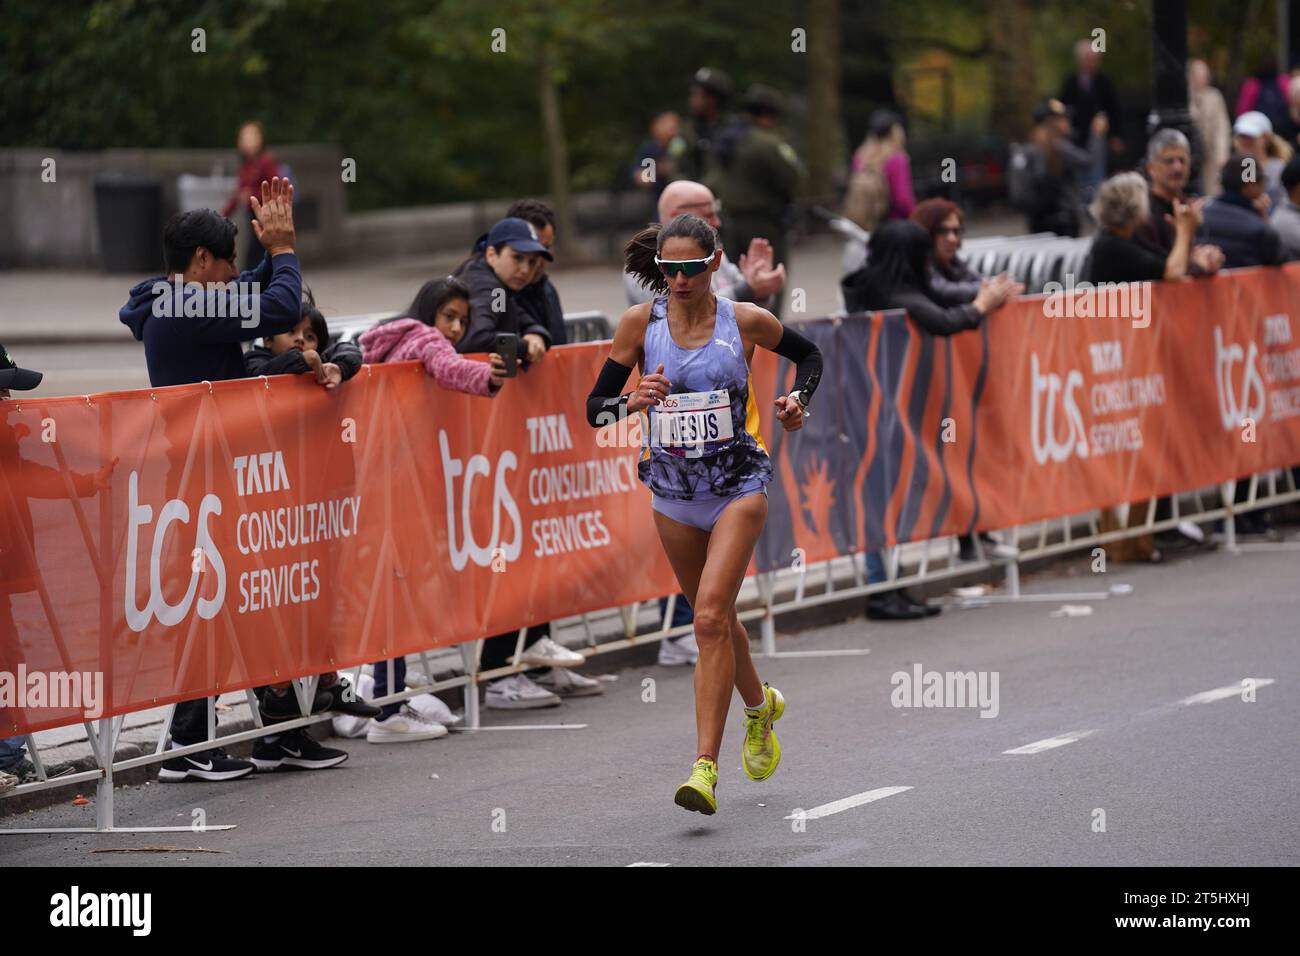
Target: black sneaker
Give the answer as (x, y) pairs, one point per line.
(890, 607)
(930, 609)
(213, 764)
(277, 707)
(345, 700)
(296, 749)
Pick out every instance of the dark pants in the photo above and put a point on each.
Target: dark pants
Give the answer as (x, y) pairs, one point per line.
(190, 722)
(498, 650)
(381, 684)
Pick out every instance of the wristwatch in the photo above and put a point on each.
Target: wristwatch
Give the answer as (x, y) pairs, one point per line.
(803, 405)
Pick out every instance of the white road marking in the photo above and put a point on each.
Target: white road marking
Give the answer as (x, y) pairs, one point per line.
(848, 803)
(474, 730)
(643, 863)
(1222, 693)
(1051, 743)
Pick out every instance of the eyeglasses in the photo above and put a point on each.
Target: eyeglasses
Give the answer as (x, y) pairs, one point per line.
(690, 268)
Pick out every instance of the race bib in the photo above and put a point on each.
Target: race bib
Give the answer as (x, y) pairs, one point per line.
(694, 418)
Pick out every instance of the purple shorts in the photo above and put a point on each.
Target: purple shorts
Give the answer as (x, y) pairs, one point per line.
(702, 513)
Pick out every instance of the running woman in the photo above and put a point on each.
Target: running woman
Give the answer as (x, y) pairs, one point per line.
(706, 465)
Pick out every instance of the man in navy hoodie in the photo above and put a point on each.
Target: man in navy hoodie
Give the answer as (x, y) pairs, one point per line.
(192, 322)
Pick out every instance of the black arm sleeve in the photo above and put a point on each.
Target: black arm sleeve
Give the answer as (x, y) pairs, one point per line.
(604, 399)
(807, 359)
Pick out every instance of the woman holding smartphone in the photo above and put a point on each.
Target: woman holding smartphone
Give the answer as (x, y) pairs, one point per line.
(705, 462)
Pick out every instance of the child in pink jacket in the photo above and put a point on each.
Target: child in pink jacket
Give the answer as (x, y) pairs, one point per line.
(435, 322)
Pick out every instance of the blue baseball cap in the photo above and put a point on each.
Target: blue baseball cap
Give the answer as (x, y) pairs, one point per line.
(520, 235)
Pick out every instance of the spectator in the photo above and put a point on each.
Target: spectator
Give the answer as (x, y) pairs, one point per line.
(181, 347)
(1289, 127)
(1234, 222)
(897, 276)
(305, 348)
(710, 90)
(257, 166)
(1265, 91)
(1286, 217)
(540, 303)
(1055, 167)
(756, 279)
(1087, 94)
(880, 177)
(666, 149)
(1252, 135)
(1210, 114)
(757, 176)
(501, 267)
(427, 332)
(20, 480)
(1168, 166)
(538, 300)
(1121, 207)
(951, 279)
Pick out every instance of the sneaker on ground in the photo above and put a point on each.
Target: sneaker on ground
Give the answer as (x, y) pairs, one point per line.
(567, 683)
(678, 651)
(213, 764)
(405, 726)
(345, 700)
(547, 653)
(1192, 530)
(7, 782)
(296, 749)
(517, 692)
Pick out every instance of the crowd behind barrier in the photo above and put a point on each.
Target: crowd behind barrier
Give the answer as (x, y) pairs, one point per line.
(261, 529)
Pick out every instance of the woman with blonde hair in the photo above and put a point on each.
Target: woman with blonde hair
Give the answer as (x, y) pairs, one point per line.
(880, 187)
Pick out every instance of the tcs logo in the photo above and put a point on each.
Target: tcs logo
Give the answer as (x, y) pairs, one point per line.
(204, 552)
(1237, 404)
(467, 548)
(1048, 394)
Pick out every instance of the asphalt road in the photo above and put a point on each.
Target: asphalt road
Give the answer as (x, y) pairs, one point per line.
(1182, 779)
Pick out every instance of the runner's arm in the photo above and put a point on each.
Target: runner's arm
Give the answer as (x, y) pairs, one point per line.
(605, 405)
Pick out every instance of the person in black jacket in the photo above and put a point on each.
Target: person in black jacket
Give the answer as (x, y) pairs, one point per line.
(508, 263)
(538, 300)
(898, 277)
(1234, 223)
(306, 348)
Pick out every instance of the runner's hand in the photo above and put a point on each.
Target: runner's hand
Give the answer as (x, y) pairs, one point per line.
(789, 413)
(651, 390)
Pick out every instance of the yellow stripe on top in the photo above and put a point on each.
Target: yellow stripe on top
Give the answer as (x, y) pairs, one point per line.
(645, 435)
(751, 414)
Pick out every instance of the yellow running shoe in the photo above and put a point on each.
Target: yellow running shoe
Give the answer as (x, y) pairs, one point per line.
(761, 751)
(698, 793)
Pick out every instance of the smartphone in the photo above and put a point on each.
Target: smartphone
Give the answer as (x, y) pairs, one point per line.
(507, 346)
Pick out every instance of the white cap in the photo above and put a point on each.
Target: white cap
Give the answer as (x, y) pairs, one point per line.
(1252, 124)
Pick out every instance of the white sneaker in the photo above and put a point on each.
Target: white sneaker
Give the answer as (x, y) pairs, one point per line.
(567, 683)
(348, 726)
(547, 653)
(518, 693)
(405, 726)
(7, 781)
(1192, 530)
(433, 708)
(678, 651)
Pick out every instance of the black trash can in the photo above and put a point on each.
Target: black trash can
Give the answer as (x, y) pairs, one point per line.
(128, 207)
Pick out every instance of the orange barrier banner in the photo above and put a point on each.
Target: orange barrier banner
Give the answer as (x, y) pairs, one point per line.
(163, 545)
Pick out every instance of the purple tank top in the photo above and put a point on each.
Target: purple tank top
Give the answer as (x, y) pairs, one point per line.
(707, 467)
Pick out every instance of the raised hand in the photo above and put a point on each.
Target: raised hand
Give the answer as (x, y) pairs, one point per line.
(273, 216)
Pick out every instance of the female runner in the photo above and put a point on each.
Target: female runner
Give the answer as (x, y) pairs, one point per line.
(706, 465)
